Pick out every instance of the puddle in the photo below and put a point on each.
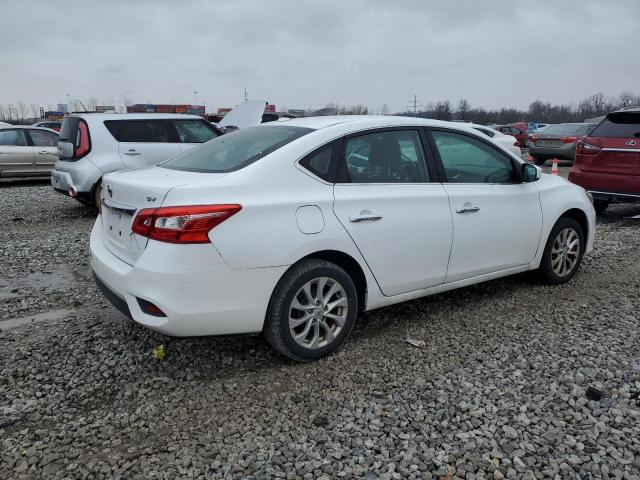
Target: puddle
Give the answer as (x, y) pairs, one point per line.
(61, 278)
(38, 317)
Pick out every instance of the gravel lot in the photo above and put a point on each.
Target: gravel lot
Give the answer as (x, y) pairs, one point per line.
(516, 380)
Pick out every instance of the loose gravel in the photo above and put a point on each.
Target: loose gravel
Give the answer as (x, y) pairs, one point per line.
(515, 379)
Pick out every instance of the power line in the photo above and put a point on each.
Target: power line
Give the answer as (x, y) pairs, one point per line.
(414, 105)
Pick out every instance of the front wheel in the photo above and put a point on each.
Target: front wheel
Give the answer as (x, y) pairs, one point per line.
(312, 310)
(563, 252)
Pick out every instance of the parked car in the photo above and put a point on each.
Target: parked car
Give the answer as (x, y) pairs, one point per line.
(508, 142)
(52, 124)
(517, 130)
(557, 141)
(607, 162)
(291, 228)
(27, 151)
(93, 144)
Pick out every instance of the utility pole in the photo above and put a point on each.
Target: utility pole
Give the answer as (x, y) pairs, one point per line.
(195, 97)
(414, 105)
(246, 95)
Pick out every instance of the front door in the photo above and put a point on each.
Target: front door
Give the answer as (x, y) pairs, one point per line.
(398, 218)
(16, 155)
(497, 220)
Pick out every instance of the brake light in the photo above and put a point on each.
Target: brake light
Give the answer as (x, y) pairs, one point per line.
(584, 148)
(83, 142)
(184, 224)
(568, 139)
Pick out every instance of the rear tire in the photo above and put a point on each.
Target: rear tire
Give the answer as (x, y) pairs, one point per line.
(563, 252)
(97, 190)
(539, 161)
(312, 310)
(600, 206)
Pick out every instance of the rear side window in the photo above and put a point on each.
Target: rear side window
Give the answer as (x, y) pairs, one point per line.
(139, 131)
(15, 138)
(619, 125)
(236, 150)
(194, 131)
(42, 138)
(323, 162)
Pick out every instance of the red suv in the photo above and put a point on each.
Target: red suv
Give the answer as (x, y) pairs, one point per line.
(607, 162)
(518, 130)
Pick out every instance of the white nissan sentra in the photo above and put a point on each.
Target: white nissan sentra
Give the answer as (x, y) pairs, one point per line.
(292, 228)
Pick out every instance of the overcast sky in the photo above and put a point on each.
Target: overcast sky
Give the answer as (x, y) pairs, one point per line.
(302, 54)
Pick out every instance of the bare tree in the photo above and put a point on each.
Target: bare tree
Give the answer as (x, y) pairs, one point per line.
(35, 111)
(384, 109)
(463, 109)
(22, 111)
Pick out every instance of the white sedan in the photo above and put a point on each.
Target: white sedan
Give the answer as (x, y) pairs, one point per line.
(292, 228)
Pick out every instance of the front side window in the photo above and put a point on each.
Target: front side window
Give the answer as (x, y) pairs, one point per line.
(43, 139)
(236, 150)
(15, 138)
(386, 157)
(194, 131)
(139, 131)
(469, 160)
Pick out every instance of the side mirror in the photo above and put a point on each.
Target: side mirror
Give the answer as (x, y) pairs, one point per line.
(65, 150)
(530, 173)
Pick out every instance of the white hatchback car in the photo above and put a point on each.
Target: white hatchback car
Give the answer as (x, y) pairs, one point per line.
(291, 228)
(508, 142)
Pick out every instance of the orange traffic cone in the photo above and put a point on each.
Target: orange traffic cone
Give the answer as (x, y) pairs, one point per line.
(554, 167)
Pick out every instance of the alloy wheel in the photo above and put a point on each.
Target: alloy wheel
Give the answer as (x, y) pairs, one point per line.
(318, 312)
(565, 252)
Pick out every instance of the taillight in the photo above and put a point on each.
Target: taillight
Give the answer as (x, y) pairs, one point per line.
(568, 139)
(584, 148)
(185, 224)
(83, 142)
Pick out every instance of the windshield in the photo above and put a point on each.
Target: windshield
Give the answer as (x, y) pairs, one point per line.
(566, 129)
(236, 150)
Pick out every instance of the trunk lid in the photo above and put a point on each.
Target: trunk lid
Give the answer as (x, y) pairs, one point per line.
(618, 156)
(246, 114)
(128, 191)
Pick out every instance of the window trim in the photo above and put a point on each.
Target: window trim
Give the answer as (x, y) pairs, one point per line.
(436, 154)
(342, 177)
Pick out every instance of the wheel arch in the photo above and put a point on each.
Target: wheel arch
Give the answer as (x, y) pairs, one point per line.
(579, 216)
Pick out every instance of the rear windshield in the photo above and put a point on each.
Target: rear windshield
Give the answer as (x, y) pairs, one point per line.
(619, 125)
(69, 131)
(236, 150)
(566, 129)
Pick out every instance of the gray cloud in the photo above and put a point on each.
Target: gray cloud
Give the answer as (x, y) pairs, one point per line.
(306, 53)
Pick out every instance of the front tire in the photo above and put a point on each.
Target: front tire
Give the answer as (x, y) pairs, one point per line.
(312, 310)
(563, 252)
(539, 161)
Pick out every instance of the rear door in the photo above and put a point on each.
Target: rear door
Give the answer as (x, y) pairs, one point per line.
(16, 155)
(143, 142)
(45, 147)
(497, 220)
(395, 209)
(619, 136)
(191, 133)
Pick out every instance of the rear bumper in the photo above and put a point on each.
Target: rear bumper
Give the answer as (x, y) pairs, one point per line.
(566, 151)
(82, 175)
(191, 284)
(606, 185)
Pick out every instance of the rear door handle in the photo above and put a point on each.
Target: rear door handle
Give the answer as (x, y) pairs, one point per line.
(365, 216)
(467, 208)
(43, 153)
(131, 152)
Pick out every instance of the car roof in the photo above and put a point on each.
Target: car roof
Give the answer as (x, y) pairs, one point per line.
(365, 121)
(24, 127)
(136, 116)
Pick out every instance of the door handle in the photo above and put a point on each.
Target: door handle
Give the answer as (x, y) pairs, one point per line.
(364, 216)
(467, 208)
(43, 153)
(131, 152)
